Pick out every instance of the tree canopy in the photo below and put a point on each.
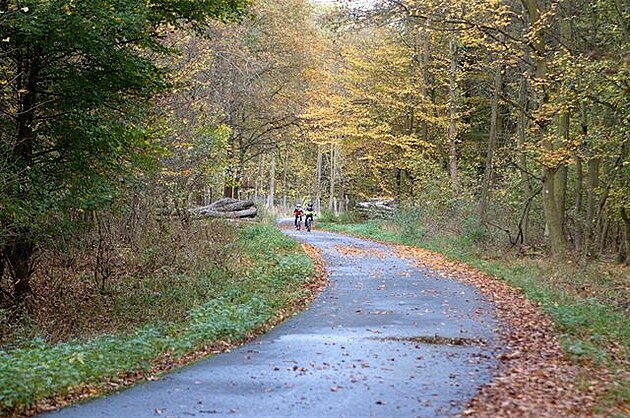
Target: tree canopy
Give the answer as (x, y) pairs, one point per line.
(77, 78)
(508, 115)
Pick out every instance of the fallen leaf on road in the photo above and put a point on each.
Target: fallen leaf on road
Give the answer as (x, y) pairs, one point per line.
(534, 378)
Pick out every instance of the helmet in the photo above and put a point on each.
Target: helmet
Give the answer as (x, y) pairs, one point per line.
(299, 205)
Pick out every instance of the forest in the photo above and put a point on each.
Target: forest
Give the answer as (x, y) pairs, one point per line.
(505, 123)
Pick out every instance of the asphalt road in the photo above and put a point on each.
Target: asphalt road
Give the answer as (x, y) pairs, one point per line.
(385, 339)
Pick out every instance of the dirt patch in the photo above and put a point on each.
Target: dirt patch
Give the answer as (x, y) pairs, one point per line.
(534, 378)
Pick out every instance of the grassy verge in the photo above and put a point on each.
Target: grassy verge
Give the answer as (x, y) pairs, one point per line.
(267, 283)
(583, 301)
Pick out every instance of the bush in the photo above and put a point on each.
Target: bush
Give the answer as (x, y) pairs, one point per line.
(409, 225)
(347, 217)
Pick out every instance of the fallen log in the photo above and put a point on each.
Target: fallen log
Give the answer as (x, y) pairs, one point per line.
(224, 205)
(246, 213)
(227, 207)
(222, 202)
(236, 206)
(377, 208)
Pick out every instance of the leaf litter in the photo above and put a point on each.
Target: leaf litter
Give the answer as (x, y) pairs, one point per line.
(534, 377)
(352, 251)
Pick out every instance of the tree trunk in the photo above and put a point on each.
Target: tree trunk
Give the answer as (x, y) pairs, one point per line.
(550, 204)
(492, 141)
(19, 255)
(604, 219)
(552, 214)
(244, 213)
(579, 191)
(592, 182)
(259, 182)
(625, 216)
(341, 203)
(426, 59)
(272, 180)
(560, 182)
(230, 188)
(318, 198)
(285, 175)
(331, 200)
(452, 125)
(561, 174)
(522, 158)
(20, 247)
(562, 139)
(579, 182)
(601, 217)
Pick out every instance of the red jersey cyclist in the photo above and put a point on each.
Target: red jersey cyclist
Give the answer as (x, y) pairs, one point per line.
(298, 213)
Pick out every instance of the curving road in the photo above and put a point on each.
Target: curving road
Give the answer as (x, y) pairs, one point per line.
(384, 339)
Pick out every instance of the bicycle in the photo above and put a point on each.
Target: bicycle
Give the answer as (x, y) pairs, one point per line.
(309, 217)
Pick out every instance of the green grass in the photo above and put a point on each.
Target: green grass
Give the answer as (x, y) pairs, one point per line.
(273, 270)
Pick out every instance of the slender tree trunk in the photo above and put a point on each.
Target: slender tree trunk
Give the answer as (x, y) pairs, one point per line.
(579, 184)
(426, 60)
(592, 182)
(522, 158)
(285, 174)
(625, 216)
(341, 203)
(331, 191)
(318, 198)
(562, 172)
(452, 126)
(230, 188)
(260, 179)
(601, 217)
(604, 220)
(579, 190)
(562, 139)
(492, 141)
(272, 180)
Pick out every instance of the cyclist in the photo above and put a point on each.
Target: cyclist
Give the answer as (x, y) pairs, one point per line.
(308, 220)
(298, 213)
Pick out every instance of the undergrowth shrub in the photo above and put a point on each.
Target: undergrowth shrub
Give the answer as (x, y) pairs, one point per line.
(346, 217)
(473, 232)
(124, 267)
(327, 216)
(408, 222)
